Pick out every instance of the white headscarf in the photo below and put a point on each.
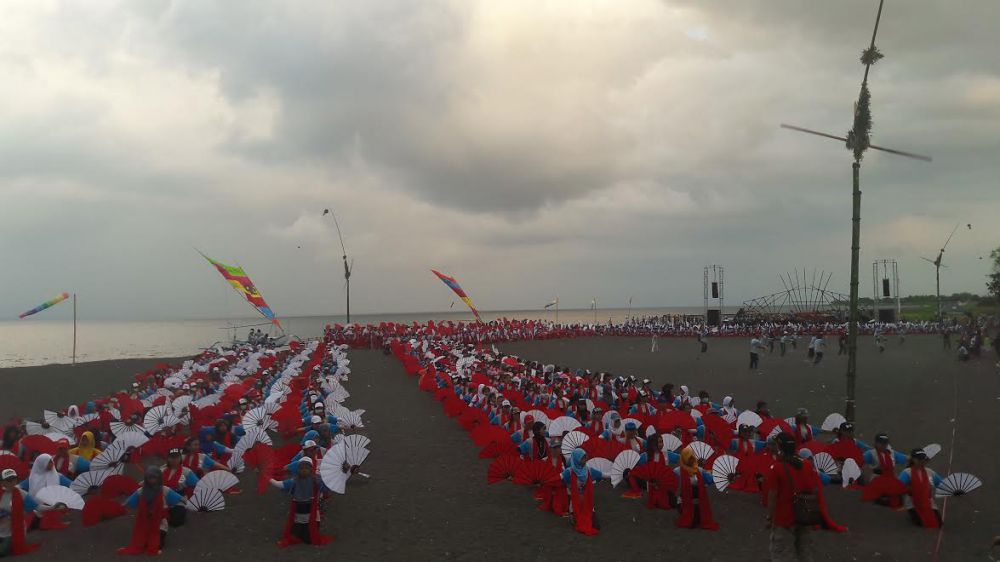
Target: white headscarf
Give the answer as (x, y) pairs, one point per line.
(41, 475)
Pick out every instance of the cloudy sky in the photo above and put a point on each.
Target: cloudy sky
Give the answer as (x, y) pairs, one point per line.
(531, 148)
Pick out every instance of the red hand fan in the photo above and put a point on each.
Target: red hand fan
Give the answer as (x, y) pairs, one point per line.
(540, 473)
(657, 473)
(498, 449)
(118, 485)
(502, 469)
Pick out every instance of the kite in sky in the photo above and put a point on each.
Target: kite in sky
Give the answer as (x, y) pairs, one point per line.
(47, 304)
(241, 282)
(450, 282)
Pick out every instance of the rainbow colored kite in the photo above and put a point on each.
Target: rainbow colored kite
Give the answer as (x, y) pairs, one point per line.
(450, 282)
(47, 304)
(241, 282)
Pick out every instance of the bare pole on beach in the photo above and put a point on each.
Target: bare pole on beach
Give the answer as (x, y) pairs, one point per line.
(347, 268)
(858, 142)
(74, 329)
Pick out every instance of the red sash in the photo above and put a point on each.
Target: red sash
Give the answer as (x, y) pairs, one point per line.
(686, 520)
(583, 504)
(315, 538)
(18, 545)
(146, 531)
(920, 493)
(172, 478)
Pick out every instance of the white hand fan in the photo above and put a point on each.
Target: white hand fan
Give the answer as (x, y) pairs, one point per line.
(601, 464)
(637, 423)
(156, 418)
(121, 428)
(561, 425)
(256, 418)
(338, 395)
(850, 472)
(256, 435)
(34, 428)
(85, 481)
(220, 480)
(350, 420)
(236, 463)
(133, 439)
(958, 484)
(724, 471)
(355, 456)
(823, 462)
(832, 422)
(52, 495)
(86, 418)
(774, 432)
(670, 442)
(110, 456)
(790, 421)
(208, 400)
(206, 499)
(607, 419)
(49, 416)
(729, 417)
(695, 401)
(173, 382)
(180, 404)
(932, 450)
(357, 441)
(625, 461)
(695, 414)
(331, 469)
(538, 415)
(572, 441)
(57, 436)
(703, 451)
(650, 430)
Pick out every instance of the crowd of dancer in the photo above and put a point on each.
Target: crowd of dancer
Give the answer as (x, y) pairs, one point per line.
(562, 433)
(502, 330)
(174, 441)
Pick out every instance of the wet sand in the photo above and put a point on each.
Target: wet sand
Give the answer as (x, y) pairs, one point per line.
(428, 498)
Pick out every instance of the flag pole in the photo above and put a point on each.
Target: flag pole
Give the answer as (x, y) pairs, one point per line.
(74, 329)
(557, 309)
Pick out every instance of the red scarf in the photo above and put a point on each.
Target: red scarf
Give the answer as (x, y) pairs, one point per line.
(192, 461)
(172, 478)
(146, 531)
(583, 504)
(315, 538)
(744, 448)
(17, 525)
(920, 493)
(886, 464)
(803, 433)
(62, 466)
(686, 520)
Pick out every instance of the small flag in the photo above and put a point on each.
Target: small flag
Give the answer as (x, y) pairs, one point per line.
(553, 303)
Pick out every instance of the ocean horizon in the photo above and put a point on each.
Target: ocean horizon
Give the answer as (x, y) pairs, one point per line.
(31, 341)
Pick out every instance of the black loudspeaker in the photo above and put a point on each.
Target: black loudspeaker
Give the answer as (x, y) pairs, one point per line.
(887, 315)
(715, 289)
(713, 317)
(885, 288)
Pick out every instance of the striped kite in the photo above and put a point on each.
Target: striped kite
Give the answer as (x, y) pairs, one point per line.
(450, 282)
(49, 303)
(241, 282)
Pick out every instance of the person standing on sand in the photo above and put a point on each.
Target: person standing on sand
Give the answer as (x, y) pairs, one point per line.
(152, 502)
(784, 343)
(654, 347)
(819, 346)
(755, 348)
(703, 340)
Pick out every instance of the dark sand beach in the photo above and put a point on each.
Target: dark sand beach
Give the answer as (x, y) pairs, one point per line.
(428, 498)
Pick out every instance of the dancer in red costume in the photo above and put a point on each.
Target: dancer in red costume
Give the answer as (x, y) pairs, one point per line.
(580, 479)
(151, 502)
(696, 511)
(792, 480)
(14, 503)
(302, 525)
(921, 483)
